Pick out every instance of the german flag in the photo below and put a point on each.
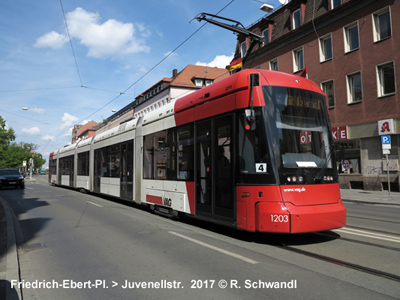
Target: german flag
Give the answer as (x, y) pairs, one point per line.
(236, 64)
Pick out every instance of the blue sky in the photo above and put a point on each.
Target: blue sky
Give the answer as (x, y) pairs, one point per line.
(115, 43)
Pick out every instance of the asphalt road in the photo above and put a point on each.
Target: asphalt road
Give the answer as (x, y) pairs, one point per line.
(80, 246)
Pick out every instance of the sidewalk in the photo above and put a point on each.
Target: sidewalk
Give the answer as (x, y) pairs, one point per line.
(9, 266)
(370, 197)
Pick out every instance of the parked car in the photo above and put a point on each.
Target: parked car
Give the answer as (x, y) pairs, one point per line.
(11, 177)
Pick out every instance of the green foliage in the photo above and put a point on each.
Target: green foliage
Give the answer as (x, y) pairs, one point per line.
(6, 137)
(38, 161)
(12, 154)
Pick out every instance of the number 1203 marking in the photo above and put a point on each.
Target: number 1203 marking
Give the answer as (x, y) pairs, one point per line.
(279, 218)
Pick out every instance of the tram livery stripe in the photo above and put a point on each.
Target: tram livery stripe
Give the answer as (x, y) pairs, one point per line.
(154, 199)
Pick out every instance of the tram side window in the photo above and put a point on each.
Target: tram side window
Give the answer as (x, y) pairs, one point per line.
(53, 166)
(185, 153)
(148, 157)
(61, 166)
(107, 161)
(114, 161)
(83, 163)
(65, 165)
(165, 154)
(168, 154)
(254, 159)
(104, 166)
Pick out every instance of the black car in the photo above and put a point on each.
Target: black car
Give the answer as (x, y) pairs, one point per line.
(11, 177)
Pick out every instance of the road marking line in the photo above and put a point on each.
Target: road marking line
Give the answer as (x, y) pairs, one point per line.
(215, 248)
(94, 203)
(370, 234)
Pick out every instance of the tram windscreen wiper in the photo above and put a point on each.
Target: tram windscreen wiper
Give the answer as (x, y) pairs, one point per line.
(320, 175)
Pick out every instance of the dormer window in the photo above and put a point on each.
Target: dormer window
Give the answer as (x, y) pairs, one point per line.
(336, 3)
(296, 19)
(265, 34)
(243, 48)
(198, 82)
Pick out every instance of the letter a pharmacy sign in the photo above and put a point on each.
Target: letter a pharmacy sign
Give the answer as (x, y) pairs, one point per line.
(385, 127)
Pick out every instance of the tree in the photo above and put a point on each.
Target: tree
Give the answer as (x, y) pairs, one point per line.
(38, 161)
(7, 135)
(12, 154)
(17, 153)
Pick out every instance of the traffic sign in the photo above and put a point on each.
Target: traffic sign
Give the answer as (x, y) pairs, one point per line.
(386, 143)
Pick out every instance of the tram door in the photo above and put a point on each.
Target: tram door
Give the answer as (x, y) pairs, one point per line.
(214, 169)
(126, 191)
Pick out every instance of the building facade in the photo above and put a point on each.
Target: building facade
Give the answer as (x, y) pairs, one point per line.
(190, 79)
(83, 132)
(350, 48)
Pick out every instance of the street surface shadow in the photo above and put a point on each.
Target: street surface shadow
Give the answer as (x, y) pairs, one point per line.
(6, 291)
(30, 226)
(273, 239)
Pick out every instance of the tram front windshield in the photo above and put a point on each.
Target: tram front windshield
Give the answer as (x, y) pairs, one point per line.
(292, 137)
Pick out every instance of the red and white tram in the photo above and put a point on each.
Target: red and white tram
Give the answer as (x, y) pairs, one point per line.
(253, 151)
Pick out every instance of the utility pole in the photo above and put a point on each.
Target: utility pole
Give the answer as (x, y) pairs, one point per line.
(31, 167)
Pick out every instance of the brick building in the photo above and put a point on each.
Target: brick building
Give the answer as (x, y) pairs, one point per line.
(83, 132)
(350, 48)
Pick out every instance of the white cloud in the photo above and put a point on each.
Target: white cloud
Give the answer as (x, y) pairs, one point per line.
(102, 39)
(52, 39)
(48, 137)
(220, 61)
(33, 130)
(37, 110)
(68, 120)
(145, 32)
(85, 122)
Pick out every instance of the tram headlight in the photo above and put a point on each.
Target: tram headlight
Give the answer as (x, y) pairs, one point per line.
(295, 179)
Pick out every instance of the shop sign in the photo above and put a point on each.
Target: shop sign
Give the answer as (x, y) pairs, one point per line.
(385, 127)
(339, 133)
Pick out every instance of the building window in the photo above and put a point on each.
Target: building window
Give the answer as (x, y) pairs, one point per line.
(198, 82)
(208, 82)
(386, 79)
(348, 157)
(298, 59)
(273, 65)
(265, 34)
(296, 16)
(325, 48)
(351, 41)
(243, 48)
(328, 89)
(354, 88)
(382, 24)
(335, 3)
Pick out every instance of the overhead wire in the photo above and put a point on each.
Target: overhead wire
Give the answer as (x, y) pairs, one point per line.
(70, 42)
(152, 68)
(124, 92)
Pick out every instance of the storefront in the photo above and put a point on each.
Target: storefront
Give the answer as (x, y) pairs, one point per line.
(360, 161)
